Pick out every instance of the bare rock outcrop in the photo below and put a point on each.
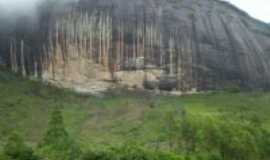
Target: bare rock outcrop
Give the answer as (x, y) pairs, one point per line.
(183, 45)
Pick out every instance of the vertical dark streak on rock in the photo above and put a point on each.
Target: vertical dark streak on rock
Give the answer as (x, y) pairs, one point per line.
(196, 55)
(261, 66)
(213, 32)
(235, 57)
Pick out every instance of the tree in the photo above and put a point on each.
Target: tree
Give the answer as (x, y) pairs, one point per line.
(16, 149)
(56, 144)
(98, 155)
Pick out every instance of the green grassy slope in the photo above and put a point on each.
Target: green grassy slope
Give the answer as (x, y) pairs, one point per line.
(114, 119)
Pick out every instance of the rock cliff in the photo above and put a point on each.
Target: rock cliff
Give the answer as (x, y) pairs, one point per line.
(183, 45)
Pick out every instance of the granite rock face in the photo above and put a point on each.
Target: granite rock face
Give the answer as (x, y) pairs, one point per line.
(156, 44)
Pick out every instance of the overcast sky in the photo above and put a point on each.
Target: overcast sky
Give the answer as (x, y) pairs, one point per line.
(18, 5)
(259, 9)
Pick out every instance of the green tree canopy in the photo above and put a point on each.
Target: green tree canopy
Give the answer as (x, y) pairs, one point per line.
(57, 144)
(16, 149)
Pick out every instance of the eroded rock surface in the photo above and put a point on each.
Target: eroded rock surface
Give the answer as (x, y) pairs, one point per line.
(183, 45)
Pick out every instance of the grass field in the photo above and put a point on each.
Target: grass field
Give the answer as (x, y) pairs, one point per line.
(116, 118)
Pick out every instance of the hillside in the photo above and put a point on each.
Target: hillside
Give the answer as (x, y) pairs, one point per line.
(122, 117)
(153, 80)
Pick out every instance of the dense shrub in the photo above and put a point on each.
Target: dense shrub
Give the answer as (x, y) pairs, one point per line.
(99, 155)
(263, 138)
(213, 138)
(190, 137)
(168, 156)
(16, 149)
(3, 156)
(135, 153)
(129, 152)
(56, 144)
(235, 89)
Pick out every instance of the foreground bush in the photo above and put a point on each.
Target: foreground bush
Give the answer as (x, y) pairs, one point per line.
(56, 144)
(16, 149)
(129, 152)
(99, 155)
(222, 139)
(191, 137)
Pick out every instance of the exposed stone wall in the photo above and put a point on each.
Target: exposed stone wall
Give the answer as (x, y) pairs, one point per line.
(182, 45)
